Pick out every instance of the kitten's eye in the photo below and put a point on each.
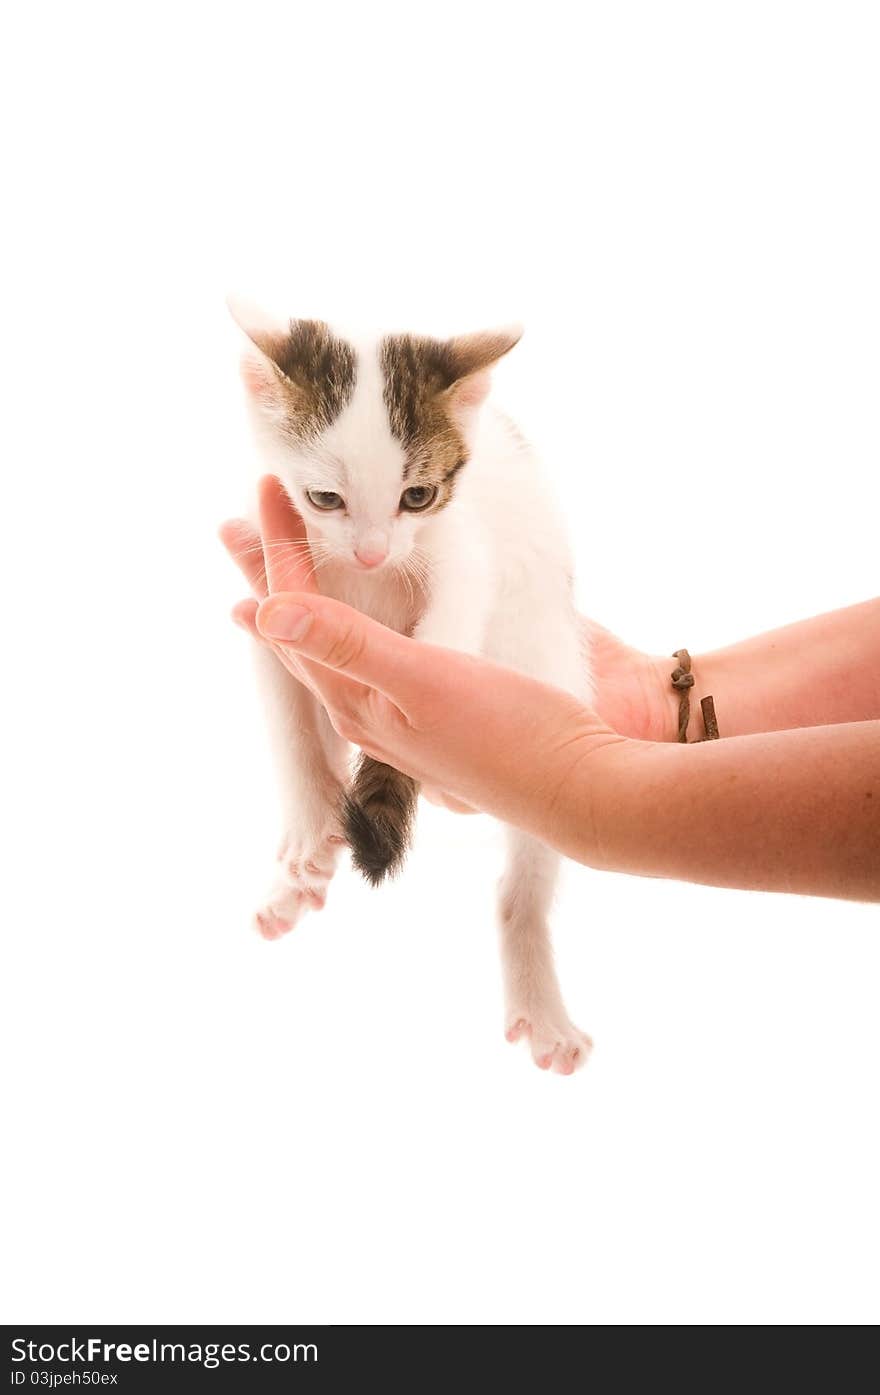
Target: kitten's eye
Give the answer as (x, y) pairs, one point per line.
(419, 497)
(325, 499)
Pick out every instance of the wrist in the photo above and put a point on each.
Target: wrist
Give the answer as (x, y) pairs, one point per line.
(667, 708)
(664, 711)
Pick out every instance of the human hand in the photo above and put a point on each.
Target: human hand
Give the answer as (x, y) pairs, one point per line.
(633, 693)
(271, 554)
(487, 737)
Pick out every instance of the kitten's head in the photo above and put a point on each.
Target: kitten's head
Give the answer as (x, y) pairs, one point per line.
(369, 439)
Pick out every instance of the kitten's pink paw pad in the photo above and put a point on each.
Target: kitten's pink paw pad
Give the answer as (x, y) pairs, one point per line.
(309, 861)
(270, 925)
(307, 876)
(556, 1044)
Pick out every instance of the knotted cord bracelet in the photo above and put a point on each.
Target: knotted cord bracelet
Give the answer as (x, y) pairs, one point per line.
(682, 682)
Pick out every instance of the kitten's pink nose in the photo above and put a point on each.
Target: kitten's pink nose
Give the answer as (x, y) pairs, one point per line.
(371, 556)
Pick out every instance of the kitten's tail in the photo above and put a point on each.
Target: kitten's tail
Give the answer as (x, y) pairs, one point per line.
(378, 813)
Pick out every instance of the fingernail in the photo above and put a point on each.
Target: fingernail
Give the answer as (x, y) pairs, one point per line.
(287, 622)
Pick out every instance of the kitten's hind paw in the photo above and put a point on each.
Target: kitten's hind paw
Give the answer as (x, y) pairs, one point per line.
(271, 924)
(306, 866)
(556, 1044)
(284, 908)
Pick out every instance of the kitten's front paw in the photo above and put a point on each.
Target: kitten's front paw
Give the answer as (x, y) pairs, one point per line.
(556, 1044)
(306, 861)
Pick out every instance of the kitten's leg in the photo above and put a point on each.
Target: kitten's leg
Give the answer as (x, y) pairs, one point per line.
(312, 763)
(533, 1002)
(538, 635)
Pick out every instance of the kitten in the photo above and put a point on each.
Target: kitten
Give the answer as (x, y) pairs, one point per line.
(425, 509)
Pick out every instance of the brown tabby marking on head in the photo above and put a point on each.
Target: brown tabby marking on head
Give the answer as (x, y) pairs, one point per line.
(420, 377)
(417, 372)
(316, 371)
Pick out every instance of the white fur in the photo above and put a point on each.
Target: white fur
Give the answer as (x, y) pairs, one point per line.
(490, 573)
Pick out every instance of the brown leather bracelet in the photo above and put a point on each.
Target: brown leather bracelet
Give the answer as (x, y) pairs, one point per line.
(682, 682)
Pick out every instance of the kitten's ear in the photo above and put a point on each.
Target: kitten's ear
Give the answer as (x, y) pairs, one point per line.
(251, 318)
(472, 356)
(260, 368)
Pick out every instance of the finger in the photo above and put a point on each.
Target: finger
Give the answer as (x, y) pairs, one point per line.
(245, 547)
(245, 615)
(347, 645)
(285, 542)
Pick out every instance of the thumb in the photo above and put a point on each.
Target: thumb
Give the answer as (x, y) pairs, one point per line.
(341, 638)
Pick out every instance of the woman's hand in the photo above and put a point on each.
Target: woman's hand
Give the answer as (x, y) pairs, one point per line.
(793, 810)
(488, 737)
(633, 693)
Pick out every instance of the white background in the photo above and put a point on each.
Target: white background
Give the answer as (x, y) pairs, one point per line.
(681, 203)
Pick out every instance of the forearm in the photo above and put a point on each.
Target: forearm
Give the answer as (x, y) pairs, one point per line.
(813, 673)
(795, 811)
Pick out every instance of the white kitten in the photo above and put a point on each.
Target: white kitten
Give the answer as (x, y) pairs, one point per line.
(426, 510)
